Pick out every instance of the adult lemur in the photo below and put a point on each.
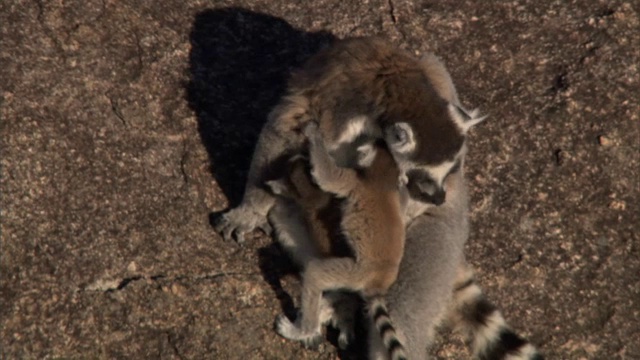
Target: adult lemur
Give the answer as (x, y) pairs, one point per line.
(355, 89)
(359, 90)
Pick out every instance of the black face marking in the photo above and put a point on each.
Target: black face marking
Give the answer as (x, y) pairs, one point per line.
(439, 197)
(419, 180)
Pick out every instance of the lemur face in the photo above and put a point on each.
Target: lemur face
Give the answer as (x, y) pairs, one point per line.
(426, 183)
(428, 151)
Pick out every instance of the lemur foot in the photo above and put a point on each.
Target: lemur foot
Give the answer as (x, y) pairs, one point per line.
(235, 223)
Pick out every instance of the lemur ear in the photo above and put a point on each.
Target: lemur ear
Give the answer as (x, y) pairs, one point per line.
(366, 154)
(465, 119)
(400, 138)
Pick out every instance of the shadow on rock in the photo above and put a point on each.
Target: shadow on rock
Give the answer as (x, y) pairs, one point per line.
(274, 265)
(240, 62)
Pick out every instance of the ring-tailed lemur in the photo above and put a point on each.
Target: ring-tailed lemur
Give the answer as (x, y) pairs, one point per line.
(358, 88)
(364, 88)
(372, 225)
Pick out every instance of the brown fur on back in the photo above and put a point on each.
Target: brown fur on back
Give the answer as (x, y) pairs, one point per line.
(372, 221)
(367, 76)
(320, 209)
(368, 221)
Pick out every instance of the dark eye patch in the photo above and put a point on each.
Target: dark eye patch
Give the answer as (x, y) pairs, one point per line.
(418, 179)
(415, 178)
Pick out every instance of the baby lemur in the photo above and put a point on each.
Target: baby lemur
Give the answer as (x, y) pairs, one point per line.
(319, 222)
(371, 222)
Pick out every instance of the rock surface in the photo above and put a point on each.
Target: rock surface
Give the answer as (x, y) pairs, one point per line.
(126, 124)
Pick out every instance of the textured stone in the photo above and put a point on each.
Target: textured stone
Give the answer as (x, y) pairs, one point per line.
(125, 124)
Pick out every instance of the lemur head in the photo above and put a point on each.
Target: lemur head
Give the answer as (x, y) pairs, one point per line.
(429, 150)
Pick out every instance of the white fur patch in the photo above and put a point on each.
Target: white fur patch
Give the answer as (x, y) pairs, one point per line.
(292, 331)
(287, 329)
(403, 180)
(464, 274)
(354, 128)
(440, 171)
(366, 155)
(468, 294)
(326, 311)
(525, 353)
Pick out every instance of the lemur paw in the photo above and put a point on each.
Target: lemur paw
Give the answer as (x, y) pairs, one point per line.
(285, 328)
(235, 223)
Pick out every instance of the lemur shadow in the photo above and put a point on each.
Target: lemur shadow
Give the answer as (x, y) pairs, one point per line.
(239, 64)
(274, 265)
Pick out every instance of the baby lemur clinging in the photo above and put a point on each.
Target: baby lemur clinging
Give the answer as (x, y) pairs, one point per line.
(319, 224)
(371, 224)
(360, 86)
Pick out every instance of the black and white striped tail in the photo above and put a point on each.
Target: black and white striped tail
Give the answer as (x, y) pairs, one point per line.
(380, 316)
(489, 334)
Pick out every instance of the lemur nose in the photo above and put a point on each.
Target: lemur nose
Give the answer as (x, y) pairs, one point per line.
(439, 197)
